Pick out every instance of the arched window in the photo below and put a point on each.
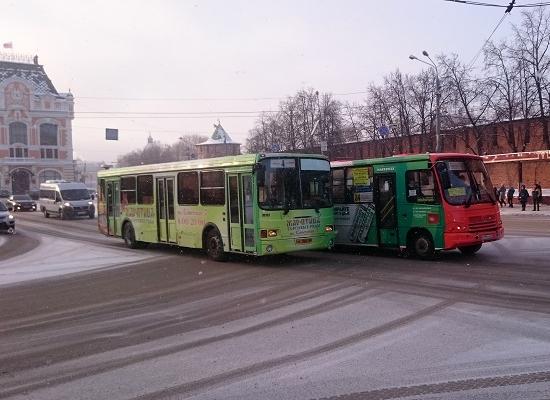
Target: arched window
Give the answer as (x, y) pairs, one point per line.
(47, 175)
(18, 133)
(48, 135)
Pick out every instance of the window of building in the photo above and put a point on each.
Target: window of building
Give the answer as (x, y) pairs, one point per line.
(19, 152)
(48, 175)
(48, 135)
(128, 190)
(18, 133)
(145, 189)
(49, 153)
(188, 188)
(212, 188)
(420, 187)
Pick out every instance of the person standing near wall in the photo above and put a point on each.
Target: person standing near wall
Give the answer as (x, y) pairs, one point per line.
(523, 197)
(537, 195)
(510, 196)
(502, 195)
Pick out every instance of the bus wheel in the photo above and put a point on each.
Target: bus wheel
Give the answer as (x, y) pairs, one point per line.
(469, 250)
(423, 246)
(214, 245)
(129, 237)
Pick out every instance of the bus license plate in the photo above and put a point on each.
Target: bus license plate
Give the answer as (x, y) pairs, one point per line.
(303, 241)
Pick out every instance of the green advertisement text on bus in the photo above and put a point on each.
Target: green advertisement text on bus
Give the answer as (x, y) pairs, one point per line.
(419, 203)
(255, 204)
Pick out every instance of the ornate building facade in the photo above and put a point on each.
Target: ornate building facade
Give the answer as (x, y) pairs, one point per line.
(35, 126)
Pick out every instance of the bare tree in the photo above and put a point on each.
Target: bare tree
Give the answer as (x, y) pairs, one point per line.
(531, 44)
(470, 98)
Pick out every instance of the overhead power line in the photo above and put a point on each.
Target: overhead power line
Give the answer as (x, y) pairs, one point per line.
(201, 98)
(478, 3)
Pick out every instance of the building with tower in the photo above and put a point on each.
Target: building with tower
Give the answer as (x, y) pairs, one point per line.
(35, 126)
(220, 144)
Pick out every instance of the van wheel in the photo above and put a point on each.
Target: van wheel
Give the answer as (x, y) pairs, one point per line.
(129, 237)
(91, 215)
(62, 214)
(214, 246)
(469, 250)
(423, 246)
(46, 214)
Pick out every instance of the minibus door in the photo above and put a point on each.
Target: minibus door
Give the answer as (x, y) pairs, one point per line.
(241, 213)
(165, 210)
(386, 210)
(113, 206)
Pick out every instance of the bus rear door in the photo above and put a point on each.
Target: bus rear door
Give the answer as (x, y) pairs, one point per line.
(241, 213)
(386, 210)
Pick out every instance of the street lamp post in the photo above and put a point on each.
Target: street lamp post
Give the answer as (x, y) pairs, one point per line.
(437, 98)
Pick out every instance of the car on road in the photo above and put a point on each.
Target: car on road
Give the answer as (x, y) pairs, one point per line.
(21, 202)
(7, 220)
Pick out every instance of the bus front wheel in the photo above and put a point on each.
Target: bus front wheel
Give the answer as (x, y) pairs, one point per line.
(214, 246)
(469, 250)
(423, 246)
(130, 237)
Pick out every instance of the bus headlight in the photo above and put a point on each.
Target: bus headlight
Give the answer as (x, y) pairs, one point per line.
(272, 233)
(329, 228)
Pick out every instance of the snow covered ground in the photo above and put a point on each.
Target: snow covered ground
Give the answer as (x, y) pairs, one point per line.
(61, 256)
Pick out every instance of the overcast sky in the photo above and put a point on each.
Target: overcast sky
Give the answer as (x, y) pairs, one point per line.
(225, 56)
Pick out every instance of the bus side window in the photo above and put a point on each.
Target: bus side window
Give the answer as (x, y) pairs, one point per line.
(338, 186)
(145, 189)
(420, 187)
(188, 188)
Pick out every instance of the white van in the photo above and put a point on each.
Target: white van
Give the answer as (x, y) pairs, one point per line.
(65, 199)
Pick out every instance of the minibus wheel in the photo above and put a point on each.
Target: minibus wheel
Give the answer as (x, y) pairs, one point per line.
(46, 214)
(214, 245)
(423, 246)
(469, 250)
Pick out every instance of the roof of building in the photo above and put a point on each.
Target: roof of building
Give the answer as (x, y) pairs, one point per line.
(32, 73)
(220, 136)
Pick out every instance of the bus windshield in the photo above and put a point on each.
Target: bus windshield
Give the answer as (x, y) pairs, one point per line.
(292, 183)
(465, 182)
(75, 194)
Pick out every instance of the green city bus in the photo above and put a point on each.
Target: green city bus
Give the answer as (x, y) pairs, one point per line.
(255, 204)
(416, 203)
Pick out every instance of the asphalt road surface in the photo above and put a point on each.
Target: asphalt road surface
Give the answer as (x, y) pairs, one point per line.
(82, 317)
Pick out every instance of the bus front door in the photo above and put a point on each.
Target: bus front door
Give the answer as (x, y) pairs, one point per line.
(241, 213)
(165, 210)
(386, 210)
(113, 207)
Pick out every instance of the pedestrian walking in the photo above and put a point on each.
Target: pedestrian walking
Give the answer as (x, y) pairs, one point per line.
(502, 195)
(537, 197)
(523, 197)
(510, 196)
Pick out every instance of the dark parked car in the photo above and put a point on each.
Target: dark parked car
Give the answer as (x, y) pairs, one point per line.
(21, 202)
(7, 221)
(4, 193)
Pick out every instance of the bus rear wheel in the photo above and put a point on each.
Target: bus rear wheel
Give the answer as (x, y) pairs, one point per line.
(469, 250)
(129, 237)
(423, 246)
(214, 246)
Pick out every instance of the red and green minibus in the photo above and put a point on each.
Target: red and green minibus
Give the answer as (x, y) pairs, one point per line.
(255, 204)
(420, 203)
